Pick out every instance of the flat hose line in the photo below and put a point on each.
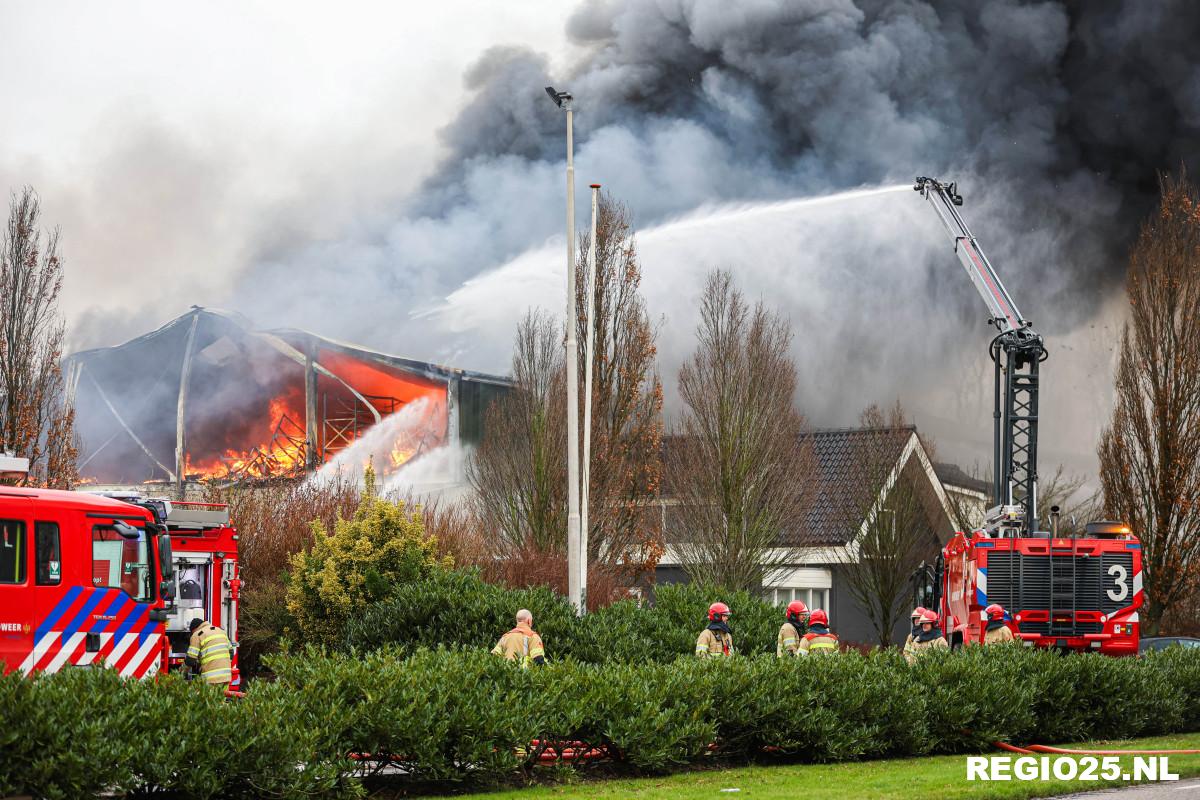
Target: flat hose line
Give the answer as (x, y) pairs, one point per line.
(1034, 749)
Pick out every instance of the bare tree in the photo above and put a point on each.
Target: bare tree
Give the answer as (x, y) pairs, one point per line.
(626, 425)
(1067, 490)
(738, 464)
(35, 422)
(896, 503)
(519, 470)
(1150, 452)
(1076, 505)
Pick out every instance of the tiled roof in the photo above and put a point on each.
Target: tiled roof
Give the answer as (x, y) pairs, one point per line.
(953, 475)
(840, 495)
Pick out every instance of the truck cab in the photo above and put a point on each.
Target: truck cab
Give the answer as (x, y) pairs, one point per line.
(1079, 594)
(83, 580)
(206, 586)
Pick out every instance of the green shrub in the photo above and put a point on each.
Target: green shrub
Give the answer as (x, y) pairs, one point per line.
(684, 609)
(820, 708)
(458, 608)
(361, 561)
(977, 695)
(64, 735)
(462, 717)
(1177, 674)
(1095, 696)
(441, 715)
(652, 716)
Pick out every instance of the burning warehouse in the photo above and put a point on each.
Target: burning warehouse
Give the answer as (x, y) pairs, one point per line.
(209, 397)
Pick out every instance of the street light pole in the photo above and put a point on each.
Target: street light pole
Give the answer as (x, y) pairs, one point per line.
(589, 350)
(574, 593)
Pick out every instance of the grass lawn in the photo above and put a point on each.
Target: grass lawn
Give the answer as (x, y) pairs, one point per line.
(906, 779)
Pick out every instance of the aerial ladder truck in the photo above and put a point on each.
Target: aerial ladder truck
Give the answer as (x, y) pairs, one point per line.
(1068, 592)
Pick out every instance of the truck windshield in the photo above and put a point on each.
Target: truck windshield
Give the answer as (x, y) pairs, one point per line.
(121, 563)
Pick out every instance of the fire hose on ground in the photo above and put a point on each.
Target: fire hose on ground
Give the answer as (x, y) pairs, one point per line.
(549, 752)
(1035, 749)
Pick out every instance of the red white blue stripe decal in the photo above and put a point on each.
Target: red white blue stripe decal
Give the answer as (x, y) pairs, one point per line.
(129, 641)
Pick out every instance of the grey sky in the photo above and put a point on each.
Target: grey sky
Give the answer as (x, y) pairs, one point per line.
(344, 167)
(162, 136)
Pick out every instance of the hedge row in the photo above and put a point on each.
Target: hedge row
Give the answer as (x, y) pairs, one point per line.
(457, 608)
(464, 717)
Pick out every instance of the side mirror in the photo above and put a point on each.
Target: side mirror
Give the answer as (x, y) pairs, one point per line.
(126, 530)
(165, 556)
(166, 590)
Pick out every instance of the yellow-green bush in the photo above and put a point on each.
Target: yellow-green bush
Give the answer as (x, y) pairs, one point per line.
(361, 561)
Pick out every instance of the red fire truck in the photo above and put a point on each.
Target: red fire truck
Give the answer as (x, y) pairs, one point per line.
(206, 583)
(82, 581)
(1069, 592)
(207, 579)
(111, 578)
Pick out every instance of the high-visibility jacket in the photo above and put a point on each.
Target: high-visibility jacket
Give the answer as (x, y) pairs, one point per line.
(210, 648)
(998, 635)
(916, 648)
(813, 643)
(788, 641)
(711, 643)
(521, 645)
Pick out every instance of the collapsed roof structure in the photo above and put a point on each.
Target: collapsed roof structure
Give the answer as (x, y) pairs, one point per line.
(208, 396)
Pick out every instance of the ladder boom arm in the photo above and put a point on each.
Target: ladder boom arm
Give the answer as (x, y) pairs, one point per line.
(944, 198)
(1017, 350)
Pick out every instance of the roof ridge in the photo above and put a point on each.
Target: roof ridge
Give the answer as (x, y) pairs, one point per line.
(861, 429)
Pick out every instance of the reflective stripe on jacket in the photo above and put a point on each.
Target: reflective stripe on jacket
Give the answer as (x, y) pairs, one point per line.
(521, 645)
(210, 647)
(710, 644)
(788, 641)
(822, 643)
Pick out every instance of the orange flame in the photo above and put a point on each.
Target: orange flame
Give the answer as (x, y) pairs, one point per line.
(280, 451)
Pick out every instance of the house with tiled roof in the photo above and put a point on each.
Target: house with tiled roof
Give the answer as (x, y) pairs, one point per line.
(815, 561)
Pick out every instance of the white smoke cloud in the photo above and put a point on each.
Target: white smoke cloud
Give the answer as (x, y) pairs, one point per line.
(880, 308)
(296, 176)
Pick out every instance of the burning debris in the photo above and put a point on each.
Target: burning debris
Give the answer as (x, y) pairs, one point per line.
(207, 397)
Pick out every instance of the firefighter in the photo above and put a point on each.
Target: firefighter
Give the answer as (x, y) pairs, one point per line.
(819, 639)
(930, 638)
(522, 644)
(997, 631)
(209, 654)
(915, 618)
(792, 629)
(716, 641)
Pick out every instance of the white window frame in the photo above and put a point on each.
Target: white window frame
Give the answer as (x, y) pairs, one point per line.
(811, 596)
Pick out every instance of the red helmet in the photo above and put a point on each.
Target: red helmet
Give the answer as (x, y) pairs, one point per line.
(818, 617)
(717, 608)
(796, 608)
(917, 612)
(929, 616)
(994, 611)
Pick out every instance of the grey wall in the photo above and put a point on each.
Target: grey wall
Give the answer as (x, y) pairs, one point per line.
(851, 623)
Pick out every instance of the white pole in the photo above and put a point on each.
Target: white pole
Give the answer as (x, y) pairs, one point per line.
(574, 592)
(589, 350)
